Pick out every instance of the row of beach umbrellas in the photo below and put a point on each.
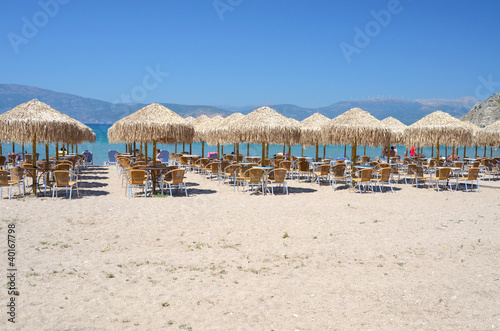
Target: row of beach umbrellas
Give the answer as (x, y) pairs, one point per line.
(156, 123)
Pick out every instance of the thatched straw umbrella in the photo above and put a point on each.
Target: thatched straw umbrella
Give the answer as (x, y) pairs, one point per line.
(266, 125)
(477, 136)
(489, 136)
(438, 128)
(397, 129)
(355, 127)
(311, 131)
(206, 133)
(35, 121)
(197, 122)
(225, 134)
(154, 123)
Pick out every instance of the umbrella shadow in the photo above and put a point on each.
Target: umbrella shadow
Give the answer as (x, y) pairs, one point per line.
(91, 184)
(86, 177)
(92, 193)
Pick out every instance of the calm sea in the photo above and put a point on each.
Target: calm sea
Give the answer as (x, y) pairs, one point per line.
(101, 147)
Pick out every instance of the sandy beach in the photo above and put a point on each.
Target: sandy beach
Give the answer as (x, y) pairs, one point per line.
(416, 259)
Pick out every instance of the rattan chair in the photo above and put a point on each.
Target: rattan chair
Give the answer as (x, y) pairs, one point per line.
(254, 179)
(278, 176)
(338, 174)
(364, 178)
(137, 178)
(385, 177)
(443, 175)
(62, 178)
(177, 180)
(472, 175)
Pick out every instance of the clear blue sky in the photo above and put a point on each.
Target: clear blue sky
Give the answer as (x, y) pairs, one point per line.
(252, 51)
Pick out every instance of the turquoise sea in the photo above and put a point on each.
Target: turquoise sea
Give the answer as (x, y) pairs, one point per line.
(101, 147)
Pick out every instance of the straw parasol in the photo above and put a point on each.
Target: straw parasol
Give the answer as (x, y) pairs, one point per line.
(311, 130)
(438, 128)
(488, 136)
(266, 125)
(355, 127)
(35, 121)
(396, 127)
(197, 122)
(205, 131)
(224, 133)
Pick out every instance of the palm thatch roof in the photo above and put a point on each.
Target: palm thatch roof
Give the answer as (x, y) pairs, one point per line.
(355, 126)
(438, 127)
(197, 122)
(35, 119)
(206, 130)
(152, 123)
(491, 134)
(266, 125)
(396, 127)
(478, 136)
(311, 129)
(224, 132)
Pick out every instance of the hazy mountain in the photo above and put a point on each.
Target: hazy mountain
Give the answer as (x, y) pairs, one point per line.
(486, 112)
(89, 110)
(96, 111)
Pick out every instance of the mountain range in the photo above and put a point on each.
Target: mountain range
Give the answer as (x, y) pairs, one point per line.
(89, 110)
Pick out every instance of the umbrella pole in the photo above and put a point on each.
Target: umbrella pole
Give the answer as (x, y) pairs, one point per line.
(190, 148)
(13, 148)
(140, 146)
(437, 152)
(146, 152)
(263, 152)
(345, 151)
(491, 151)
(175, 148)
(364, 150)
(202, 149)
(222, 149)
(72, 149)
(34, 163)
(76, 147)
(183, 147)
(445, 151)
(484, 151)
(248, 149)
(324, 151)
(353, 150)
(0, 147)
(47, 153)
(57, 151)
(290, 152)
(317, 152)
(237, 150)
(432, 151)
(67, 148)
(476, 152)
(465, 148)
(284, 149)
(302, 150)
(153, 173)
(267, 150)
(218, 150)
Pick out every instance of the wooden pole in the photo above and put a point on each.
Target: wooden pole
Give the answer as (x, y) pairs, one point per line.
(175, 148)
(465, 148)
(248, 149)
(13, 147)
(222, 149)
(263, 152)
(47, 152)
(146, 152)
(345, 151)
(267, 150)
(324, 151)
(437, 152)
(484, 151)
(202, 149)
(183, 147)
(190, 148)
(353, 150)
(302, 150)
(364, 150)
(218, 151)
(237, 150)
(476, 152)
(34, 163)
(491, 151)
(317, 151)
(284, 150)
(57, 151)
(290, 152)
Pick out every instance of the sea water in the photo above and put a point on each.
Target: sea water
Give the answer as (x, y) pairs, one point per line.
(101, 147)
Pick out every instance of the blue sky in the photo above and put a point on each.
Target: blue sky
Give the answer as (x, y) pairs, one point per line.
(240, 52)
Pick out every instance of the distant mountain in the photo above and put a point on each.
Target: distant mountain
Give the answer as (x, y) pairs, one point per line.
(96, 111)
(486, 112)
(89, 110)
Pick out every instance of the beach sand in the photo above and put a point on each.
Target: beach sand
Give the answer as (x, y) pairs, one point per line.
(417, 259)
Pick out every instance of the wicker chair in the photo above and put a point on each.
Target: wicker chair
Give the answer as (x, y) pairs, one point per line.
(472, 175)
(278, 176)
(443, 175)
(338, 174)
(365, 177)
(254, 178)
(322, 172)
(62, 178)
(176, 179)
(137, 178)
(420, 176)
(385, 177)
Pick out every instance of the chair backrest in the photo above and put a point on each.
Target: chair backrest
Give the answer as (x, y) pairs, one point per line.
(256, 175)
(229, 157)
(266, 163)
(231, 169)
(458, 164)
(28, 158)
(286, 165)
(418, 171)
(338, 170)
(475, 164)
(277, 161)
(394, 159)
(432, 163)
(137, 176)
(473, 173)
(112, 155)
(223, 164)
(203, 162)
(16, 174)
(89, 158)
(324, 169)
(395, 169)
(444, 173)
(239, 158)
(340, 162)
(61, 177)
(214, 166)
(3, 160)
(366, 175)
(4, 177)
(184, 160)
(279, 175)
(365, 159)
(63, 166)
(373, 163)
(409, 169)
(177, 176)
(164, 155)
(385, 174)
(303, 166)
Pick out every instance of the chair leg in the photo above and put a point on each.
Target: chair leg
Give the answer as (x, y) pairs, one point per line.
(185, 189)
(170, 188)
(70, 192)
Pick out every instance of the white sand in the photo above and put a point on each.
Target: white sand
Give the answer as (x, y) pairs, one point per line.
(415, 259)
